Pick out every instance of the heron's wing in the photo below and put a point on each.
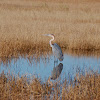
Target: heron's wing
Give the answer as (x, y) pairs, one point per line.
(56, 46)
(57, 52)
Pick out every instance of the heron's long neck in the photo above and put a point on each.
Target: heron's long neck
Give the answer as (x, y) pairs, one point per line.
(51, 40)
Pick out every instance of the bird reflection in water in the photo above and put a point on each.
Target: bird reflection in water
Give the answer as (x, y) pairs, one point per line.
(55, 72)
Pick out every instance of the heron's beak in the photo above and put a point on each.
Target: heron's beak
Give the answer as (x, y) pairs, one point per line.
(45, 34)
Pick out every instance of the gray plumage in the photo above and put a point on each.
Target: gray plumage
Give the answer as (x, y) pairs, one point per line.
(57, 51)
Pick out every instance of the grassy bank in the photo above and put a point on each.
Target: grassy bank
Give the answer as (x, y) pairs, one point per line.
(81, 88)
(76, 25)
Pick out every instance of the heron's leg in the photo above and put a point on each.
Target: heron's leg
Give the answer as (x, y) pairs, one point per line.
(54, 61)
(54, 58)
(57, 61)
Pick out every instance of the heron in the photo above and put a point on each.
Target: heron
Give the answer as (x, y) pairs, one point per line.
(57, 52)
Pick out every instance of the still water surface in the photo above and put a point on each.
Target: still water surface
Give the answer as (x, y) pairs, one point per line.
(45, 68)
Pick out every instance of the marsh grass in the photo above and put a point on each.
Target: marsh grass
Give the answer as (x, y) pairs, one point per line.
(83, 87)
(76, 26)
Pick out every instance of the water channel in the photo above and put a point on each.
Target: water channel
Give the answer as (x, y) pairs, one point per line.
(45, 67)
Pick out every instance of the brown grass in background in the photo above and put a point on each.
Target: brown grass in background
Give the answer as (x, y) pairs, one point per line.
(76, 26)
(83, 87)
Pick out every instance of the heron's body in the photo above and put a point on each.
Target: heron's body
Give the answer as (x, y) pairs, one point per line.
(56, 49)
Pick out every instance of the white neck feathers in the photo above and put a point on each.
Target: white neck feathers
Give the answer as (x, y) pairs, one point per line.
(51, 40)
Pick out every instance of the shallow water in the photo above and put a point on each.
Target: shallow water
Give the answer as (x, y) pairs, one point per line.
(46, 68)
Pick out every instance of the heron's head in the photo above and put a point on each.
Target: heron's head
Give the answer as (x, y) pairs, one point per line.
(51, 35)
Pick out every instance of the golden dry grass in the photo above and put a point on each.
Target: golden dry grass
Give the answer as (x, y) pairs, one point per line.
(85, 88)
(76, 25)
(81, 88)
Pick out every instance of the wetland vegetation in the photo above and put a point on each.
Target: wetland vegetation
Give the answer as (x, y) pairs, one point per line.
(76, 26)
(81, 88)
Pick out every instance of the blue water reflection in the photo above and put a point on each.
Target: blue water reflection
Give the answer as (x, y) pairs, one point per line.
(44, 68)
(56, 71)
